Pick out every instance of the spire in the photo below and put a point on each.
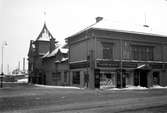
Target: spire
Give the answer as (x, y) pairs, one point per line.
(44, 13)
(45, 34)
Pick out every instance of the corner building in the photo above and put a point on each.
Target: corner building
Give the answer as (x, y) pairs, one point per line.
(104, 57)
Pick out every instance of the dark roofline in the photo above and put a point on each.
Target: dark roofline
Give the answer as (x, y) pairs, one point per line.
(131, 32)
(44, 27)
(116, 30)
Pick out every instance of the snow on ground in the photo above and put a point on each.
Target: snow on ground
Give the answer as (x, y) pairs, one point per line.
(158, 87)
(25, 80)
(67, 87)
(130, 88)
(139, 88)
(127, 88)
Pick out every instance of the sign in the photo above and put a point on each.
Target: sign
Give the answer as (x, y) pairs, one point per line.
(113, 64)
(116, 64)
(156, 66)
(129, 65)
(77, 65)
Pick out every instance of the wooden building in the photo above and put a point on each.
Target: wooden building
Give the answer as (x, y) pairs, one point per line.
(105, 57)
(38, 48)
(56, 68)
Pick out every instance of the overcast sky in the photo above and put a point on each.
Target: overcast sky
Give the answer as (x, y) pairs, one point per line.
(22, 20)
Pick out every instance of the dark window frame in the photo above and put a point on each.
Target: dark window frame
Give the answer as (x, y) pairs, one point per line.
(107, 50)
(143, 53)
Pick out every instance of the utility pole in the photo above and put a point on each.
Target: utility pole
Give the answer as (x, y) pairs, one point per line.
(121, 75)
(19, 66)
(91, 55)
(23, 65)
(2, 47)
(8, 69)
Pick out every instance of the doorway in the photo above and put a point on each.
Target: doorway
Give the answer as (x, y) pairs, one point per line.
(140, 77)
(156, 78)
(121, 79)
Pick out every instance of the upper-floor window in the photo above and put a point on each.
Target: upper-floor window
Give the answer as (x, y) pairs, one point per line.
(144, 53)
(107, 50)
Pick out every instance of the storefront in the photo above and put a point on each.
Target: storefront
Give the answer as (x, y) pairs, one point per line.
(144, 74)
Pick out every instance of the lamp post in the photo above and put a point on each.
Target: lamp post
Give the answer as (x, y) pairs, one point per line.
(2, 47)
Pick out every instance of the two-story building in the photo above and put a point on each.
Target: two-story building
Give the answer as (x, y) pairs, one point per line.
(105, 57)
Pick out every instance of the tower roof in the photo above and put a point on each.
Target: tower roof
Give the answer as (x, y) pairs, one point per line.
(45, 34)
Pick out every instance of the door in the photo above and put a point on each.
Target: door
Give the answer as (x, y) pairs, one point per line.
(143, 78)
(140, 77)
(156, 78)
(97, 78)
(121, 79)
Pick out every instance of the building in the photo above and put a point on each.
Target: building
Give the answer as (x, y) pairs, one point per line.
(38, 48)
(56, 68)
(105, 57)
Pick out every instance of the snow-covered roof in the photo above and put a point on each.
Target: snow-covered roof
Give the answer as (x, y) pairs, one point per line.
(62, 60)
(45, 55)
(45, 34)
(53, 53)
(125, 28)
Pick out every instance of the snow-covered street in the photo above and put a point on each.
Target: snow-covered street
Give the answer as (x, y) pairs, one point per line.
(53, 99)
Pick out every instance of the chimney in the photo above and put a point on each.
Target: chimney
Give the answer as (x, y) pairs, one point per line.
(98, 19)
(52, 45)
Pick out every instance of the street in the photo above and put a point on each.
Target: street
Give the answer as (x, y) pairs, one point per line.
(34, 99)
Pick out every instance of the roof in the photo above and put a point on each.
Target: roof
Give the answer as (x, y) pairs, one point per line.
(31, 48)
(62, 60)
(107, 25)
(45, 34)
(54, 52)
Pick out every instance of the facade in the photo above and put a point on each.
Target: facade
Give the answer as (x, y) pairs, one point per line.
(56, 68)
(38, 48)
(101, 57)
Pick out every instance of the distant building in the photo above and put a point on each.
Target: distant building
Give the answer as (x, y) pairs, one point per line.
(105, 57)
(44, 43)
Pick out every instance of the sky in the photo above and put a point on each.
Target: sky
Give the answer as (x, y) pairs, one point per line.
(22, 20)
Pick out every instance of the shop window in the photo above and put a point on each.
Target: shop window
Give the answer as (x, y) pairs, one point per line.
(76, 77)
(107, 50)
(107, 80)
(142, 52)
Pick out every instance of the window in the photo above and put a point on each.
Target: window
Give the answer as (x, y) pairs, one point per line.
(144, 53)
(107, 50)
(76, 77)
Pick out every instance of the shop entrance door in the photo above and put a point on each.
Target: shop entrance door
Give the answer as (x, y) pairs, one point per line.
(156, 78)
(140, 77)
(97, 78)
